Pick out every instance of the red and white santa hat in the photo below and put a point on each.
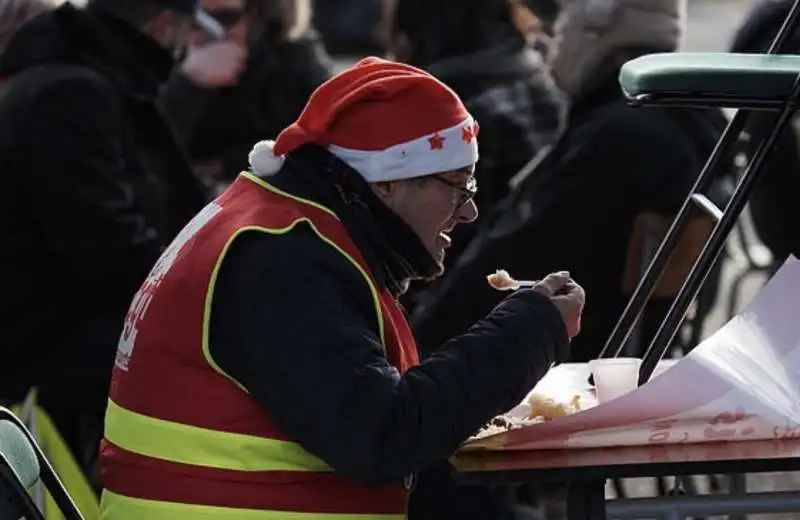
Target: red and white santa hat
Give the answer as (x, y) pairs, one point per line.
(388, 121)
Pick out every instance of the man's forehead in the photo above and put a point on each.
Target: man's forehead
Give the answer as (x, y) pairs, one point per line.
(460, 175)
(469, 171)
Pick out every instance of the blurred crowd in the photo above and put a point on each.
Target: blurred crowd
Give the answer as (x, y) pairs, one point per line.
(121, 119)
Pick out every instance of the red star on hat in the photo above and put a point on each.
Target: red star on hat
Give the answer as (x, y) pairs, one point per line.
(466, 134)
(437, 142)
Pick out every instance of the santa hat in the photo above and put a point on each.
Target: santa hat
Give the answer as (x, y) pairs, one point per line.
(388, 121)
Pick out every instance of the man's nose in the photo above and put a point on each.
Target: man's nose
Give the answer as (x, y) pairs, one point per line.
(467, 213)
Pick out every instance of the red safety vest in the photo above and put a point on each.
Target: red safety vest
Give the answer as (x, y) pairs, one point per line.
(182, 439)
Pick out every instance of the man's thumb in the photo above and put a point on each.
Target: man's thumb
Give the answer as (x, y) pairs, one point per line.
(553, 282)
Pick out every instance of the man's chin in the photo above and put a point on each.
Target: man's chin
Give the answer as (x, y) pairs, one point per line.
(439, 272)
(433, 274)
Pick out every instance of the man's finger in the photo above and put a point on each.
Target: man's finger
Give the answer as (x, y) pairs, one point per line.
(573, 290)
(553, 282)
(573, 299)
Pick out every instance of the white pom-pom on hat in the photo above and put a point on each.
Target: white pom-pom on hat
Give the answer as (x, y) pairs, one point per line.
(263, 160)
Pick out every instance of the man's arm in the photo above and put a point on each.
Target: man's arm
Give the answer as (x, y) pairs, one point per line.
(79, 188)
(293, 322)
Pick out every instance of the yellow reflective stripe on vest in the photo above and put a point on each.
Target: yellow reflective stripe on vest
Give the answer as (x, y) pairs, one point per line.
(183, 444)
(119, 507)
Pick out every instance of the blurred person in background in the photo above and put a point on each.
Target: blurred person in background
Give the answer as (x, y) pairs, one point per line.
(96, 186)
(639, 161)
(546, 11)
(775, 201)
(482, 50)
(486, 52)
(15, 13)
(353, 27)
(229, 94)
(581, 207)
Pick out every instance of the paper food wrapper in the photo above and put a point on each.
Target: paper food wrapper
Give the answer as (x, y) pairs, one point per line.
(742, 383)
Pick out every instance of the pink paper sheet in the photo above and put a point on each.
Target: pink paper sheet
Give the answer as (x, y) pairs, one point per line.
(742, 383)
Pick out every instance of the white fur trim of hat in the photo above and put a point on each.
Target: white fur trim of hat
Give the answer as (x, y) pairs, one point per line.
(449, 149)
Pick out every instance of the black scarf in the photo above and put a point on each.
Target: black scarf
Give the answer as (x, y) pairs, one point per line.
(394, 251)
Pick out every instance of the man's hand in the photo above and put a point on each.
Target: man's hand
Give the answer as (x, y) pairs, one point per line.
(215, 64)
(568, 297)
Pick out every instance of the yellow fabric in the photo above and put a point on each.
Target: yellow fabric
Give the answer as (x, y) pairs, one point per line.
(174, 442)
(65, 466)
(119, 507)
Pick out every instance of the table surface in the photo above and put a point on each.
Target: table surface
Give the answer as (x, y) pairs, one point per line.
(490, 467)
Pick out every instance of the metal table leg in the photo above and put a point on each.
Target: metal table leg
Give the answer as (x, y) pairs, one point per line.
(586, 500)
(738, 486)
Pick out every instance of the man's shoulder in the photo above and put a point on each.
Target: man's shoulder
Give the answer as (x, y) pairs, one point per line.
(53, 75)
(302, 249)
(301, 257)
(56, 79)
(30, 99)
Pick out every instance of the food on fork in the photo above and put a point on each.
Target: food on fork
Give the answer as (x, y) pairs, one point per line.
(548, 409)
(501, 280)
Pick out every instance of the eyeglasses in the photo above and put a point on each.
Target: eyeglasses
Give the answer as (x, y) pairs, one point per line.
(467, 190)
(227, 16)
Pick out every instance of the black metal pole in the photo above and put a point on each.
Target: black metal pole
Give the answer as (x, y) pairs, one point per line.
(57, 490)
(702, 266)
(644, 290)
(633, 311)
(781, 42)
(21, 503)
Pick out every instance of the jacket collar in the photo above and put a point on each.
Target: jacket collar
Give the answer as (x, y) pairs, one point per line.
(393, 251)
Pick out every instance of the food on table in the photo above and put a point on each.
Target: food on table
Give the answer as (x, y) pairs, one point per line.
(543, 409)
(503, 423)
(501, 280)
(548, 409)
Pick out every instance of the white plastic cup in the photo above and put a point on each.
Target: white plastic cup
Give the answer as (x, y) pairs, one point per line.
(615, 377)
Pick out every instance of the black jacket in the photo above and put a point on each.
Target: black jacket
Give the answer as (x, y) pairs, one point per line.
(293, 321)
(95, 187)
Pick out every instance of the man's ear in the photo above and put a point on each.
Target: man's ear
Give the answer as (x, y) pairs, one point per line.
(383, 189)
